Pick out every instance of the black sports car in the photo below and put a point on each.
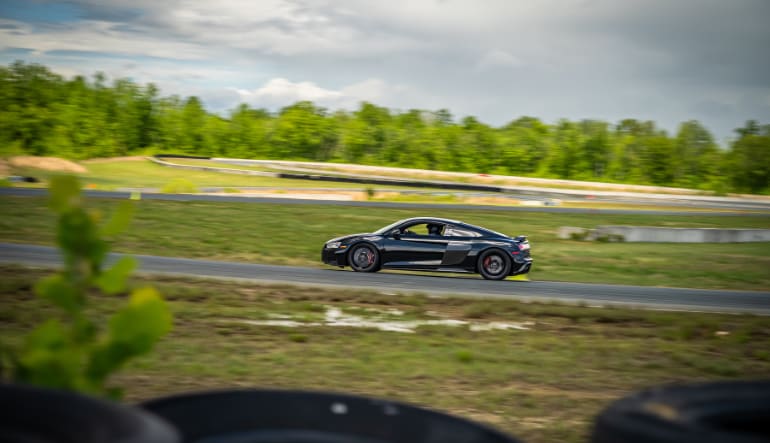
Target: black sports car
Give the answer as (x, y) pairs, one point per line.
(431, 244)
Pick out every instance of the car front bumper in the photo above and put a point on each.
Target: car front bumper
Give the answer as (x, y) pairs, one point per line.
(334, 257)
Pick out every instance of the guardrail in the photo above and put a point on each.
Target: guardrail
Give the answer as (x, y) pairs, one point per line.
(326, 178)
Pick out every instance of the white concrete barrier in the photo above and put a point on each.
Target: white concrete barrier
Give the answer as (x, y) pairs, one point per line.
(666, 235)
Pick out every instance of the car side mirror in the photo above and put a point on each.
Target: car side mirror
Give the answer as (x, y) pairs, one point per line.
(396, 233)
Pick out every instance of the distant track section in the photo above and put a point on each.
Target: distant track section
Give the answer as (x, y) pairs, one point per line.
(37, 192)
(674, 299)
(316, 176)
(524, 192)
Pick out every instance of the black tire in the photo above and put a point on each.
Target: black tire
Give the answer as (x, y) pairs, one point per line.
(32, 415)
(494, 264)
(364, 257)
(262, 416)
(735, 412)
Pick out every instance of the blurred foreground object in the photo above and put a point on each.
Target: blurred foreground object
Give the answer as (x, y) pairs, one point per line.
(72, 351)
(35, 415)
(731, 411)
(271, 416)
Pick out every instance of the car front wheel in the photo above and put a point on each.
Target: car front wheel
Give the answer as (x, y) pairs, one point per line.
(494, 265)
(364, 258)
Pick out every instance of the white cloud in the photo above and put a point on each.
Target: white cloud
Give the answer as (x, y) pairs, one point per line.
(498, 58)
(281, 90)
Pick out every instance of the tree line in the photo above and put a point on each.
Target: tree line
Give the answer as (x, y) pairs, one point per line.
(43, 113)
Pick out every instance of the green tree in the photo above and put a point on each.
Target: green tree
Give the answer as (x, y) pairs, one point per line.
(749, 159)
(695, 158)
(524, 144)
(595, 152)
(480, 140)
(302, 131)
(247, 131)
(27, 92)
(563, 158)
(193, 121)
(365, 134)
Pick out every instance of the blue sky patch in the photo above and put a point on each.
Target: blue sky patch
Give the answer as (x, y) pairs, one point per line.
(30, 11)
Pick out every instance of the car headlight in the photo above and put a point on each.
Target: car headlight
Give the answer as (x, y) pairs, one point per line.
(333, 245)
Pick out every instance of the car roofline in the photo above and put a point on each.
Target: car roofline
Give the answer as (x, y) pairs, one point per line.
(430, 219)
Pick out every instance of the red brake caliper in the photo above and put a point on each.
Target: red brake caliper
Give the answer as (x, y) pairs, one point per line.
(486, 262)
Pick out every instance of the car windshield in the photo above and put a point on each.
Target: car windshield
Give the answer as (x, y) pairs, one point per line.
(389, 228)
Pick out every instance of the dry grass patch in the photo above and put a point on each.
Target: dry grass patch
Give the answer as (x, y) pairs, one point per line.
(47, 164)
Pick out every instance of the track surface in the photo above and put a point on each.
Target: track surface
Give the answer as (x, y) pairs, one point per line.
(35, 192)
(471, 286)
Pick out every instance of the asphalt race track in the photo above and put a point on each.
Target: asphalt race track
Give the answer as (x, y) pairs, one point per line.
(453, 284)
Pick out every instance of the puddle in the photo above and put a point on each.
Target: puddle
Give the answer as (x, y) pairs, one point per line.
(335, 317)
(500, 326)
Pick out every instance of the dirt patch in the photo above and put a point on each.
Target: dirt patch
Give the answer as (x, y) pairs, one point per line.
(47, 163)
(306, 195)
(5, 169)
(116, 159)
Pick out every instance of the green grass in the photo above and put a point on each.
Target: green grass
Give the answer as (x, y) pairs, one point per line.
(146, 174)
(544, 384)
(294, 234)
(417, 198)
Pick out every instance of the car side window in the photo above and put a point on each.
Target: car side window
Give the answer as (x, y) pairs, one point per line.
(454, 231)
(417, 229)
(423, 229)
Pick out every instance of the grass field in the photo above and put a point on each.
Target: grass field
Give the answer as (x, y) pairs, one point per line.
(543, 383)
(146, 174)
(294, 234)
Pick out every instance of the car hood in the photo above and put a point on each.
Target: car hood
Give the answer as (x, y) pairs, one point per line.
(351, 236)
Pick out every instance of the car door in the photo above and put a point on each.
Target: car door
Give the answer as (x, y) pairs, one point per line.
(459, 244)
(414, 250)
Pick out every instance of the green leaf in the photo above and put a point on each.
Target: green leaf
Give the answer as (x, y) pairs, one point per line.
(120, 219)
(50, 334)
(132, 331)
(60, 291)
(83, 330)
(48, 359)
(64, 193)
(77, 232)
(143, 321)
(78, 237)
(113, 280)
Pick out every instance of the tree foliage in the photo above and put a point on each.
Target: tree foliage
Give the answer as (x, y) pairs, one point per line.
(42, 113)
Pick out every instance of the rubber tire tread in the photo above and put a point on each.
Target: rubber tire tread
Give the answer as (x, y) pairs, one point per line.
(731, 411)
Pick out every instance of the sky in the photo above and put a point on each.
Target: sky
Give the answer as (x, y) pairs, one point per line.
(661, 60)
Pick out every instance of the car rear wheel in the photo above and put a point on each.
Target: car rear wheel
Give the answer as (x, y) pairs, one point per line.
(364, 258)
(494, 265)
